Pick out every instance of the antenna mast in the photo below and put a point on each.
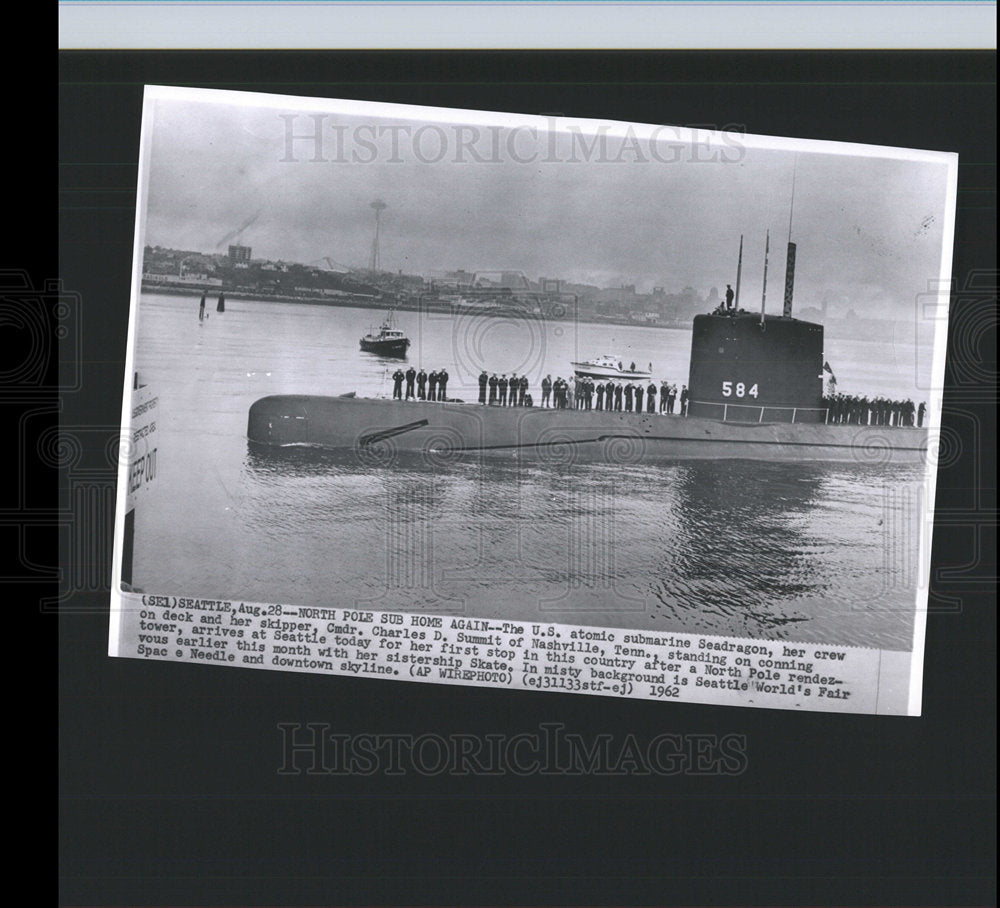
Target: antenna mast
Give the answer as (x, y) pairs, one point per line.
(739, 271)
(790, 260)
(763, 295)
(791, 206)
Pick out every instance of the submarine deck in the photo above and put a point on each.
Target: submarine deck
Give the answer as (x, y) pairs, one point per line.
(378, 428)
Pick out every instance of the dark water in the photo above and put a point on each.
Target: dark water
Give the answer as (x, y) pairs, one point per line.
(804, 552)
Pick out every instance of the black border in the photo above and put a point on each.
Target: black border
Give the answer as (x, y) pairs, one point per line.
(168, 783)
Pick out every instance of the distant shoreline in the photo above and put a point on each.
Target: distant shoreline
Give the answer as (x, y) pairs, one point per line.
(351, 302)
(880, 330)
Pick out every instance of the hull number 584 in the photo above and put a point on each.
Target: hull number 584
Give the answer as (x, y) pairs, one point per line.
(739, 389)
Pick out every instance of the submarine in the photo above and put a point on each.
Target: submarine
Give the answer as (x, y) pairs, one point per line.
(755, 391)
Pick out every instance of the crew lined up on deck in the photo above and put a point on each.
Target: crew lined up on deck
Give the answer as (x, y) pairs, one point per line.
(627, 397)
(583, 394)
(420, 385)
(619, 397)
(503, 391)
(846, 409)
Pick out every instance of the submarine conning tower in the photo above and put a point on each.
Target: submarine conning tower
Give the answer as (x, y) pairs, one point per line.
(746, 367)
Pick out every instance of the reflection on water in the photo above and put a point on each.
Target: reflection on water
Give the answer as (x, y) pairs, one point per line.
(737, 529)
(794, 551)
(730, 547)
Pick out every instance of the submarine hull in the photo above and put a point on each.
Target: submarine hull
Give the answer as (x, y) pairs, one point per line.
(377, 429)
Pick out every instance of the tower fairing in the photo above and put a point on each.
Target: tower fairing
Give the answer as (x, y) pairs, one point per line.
(748, 369)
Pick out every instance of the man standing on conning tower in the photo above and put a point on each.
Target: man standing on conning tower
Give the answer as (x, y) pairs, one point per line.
(729, 298)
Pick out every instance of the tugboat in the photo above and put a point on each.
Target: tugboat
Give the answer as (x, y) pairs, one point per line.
(610, 367)
(387, 341)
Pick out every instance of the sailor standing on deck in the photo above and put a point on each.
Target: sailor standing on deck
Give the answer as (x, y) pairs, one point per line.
(729, 298)
(522, 391)
(546, 390)
(512, 386)
(638, 399)
(443, 384)
(684, 400)
(432, 385)
(664, 390)
(618, 397)
(493, 389)
(651, 398)
(502, 387)
(411, 374)
(483, 381)
(628, 392)
(421, 384)
(671, 399)
(921, 410)
(600, 396)
(397, 385)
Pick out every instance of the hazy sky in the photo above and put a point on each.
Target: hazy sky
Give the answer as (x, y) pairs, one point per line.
(868, 229)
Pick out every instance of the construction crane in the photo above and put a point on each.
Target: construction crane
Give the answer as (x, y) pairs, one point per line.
(238, 232)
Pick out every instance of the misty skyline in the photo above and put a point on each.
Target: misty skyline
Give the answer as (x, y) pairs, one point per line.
(623, 208)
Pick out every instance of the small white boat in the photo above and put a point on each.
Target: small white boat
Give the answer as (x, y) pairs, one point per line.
(611, 367)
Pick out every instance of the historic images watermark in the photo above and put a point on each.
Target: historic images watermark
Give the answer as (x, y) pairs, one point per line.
(320, 138)
(316, 748)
